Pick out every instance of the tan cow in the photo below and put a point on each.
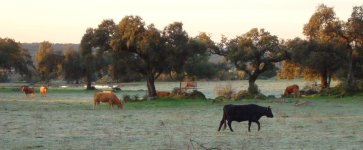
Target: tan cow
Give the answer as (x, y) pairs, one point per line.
(109, 98)
(107, 92)
(292, 89)
(162, 93)
(43, 91)
(27, 90)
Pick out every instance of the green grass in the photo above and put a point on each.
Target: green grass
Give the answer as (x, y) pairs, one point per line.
(65, 120)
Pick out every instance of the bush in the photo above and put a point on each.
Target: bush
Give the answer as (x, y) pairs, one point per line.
(311, 88)
(349, 88)
(175, 90)
(136, 97)
(196, 95)
(221, 98)
(144, 97)
(332, 91)
(226, 91)
(254, 89)
(116, 89)
(126, 98)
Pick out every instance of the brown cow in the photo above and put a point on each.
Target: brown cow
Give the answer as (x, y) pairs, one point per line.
(292, 89)
(107, 92)
(28, 90)
(109, 98)
(43, 91)
(162, 93)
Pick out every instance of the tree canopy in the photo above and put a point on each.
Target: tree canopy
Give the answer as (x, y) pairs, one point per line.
(254, 53)
(151, 52)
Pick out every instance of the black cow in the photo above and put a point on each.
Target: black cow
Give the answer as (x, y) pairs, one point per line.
(240, 113)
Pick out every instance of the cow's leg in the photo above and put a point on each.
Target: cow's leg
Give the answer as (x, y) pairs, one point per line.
(258, 123)
(229, 125)
(32, 95)
(220, 125)
(98, 103)
(94, 105)
(249, 126)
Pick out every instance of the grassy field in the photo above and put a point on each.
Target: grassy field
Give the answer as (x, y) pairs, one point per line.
(65, 120)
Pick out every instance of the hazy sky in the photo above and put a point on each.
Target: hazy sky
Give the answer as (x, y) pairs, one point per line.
(65, 21)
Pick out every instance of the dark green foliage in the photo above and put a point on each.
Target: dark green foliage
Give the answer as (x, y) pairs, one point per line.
(200, 70)
(4, 77)
(175, 90)
(14, 57)
(116, 89)
(349, 88)
(135, 97)
(254, 89)
(222, 98)
(126, 98)
(144, 97)
(268, 74)
(255, 52)
(196, 95)
(48, 65)
(332, 91)
(151, 52)
(72, 62)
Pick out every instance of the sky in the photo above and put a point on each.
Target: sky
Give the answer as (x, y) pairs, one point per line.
(65, 21)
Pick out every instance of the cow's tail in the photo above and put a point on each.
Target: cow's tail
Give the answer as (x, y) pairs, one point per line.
(225, 117)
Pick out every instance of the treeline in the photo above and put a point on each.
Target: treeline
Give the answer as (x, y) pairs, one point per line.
(134, 51)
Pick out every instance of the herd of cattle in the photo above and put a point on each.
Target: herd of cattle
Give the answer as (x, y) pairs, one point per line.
(239, 113)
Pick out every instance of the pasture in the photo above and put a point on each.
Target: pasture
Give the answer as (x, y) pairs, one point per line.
(65, 120)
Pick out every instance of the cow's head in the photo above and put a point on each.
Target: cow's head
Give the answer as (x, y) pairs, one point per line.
(269, 112)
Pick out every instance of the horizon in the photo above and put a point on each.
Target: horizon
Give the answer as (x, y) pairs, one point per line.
(66, 21)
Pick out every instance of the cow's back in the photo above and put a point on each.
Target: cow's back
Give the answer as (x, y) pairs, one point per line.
(162, 93)
(28, 90)
(243, 112)
(43, 89)
(102, 97)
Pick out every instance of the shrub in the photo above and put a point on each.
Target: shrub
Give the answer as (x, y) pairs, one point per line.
(116, 89)
(226, 90)
(144, 97)
(221, 98)
(349, 88)
(136, 97)
(332, 91)
(311, 88)
(126, 98)
(254, 89)
(196, 95)
(175, 90)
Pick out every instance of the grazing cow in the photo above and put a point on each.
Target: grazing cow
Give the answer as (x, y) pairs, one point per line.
(27, 90)
(109, 98)
(107, 92)
(292, 89)
(162, 93)
(240, 113)
(43, 91)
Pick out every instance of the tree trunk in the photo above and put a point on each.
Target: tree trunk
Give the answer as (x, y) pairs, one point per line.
(323, 79)
(77, 82)
(350, 75)
(88, 81)
(251, 84)
(329, 78)
(150, 87)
